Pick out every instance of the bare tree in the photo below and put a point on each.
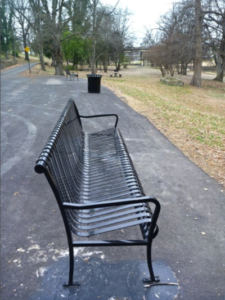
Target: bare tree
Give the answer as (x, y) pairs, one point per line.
(174, 38)
(98, 33)
(191, 30)
(21, 9)
(33, 16)
(49, 20)
(158, 56)
(149, 39)
(121, 37)
(103, 40)
(53, 23)
(6, 27)
(94, 32)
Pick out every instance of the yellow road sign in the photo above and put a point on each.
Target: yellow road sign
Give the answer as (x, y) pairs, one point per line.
(27, 49)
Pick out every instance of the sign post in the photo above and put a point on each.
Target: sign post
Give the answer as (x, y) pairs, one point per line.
(27, 49)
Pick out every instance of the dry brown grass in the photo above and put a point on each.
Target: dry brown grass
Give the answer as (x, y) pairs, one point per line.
(193, 119)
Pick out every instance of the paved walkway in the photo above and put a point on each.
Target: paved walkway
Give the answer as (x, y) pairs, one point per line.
(190, 245)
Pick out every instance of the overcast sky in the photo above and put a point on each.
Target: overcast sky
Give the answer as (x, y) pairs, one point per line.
(145, 13)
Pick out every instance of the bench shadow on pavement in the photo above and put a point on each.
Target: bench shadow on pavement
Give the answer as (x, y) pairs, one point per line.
(101, 279)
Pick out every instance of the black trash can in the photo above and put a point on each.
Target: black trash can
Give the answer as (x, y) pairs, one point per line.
(94, 83)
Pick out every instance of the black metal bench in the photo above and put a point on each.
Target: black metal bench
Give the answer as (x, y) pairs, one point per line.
(71, 75)
(115, 75)
(96, 185)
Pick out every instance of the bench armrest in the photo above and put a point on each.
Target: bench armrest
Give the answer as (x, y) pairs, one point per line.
(120, 202)
(112, 203)
(103, 115)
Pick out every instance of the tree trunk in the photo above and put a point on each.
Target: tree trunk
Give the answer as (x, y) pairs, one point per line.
(181, 69)
(42, 61)
(41, 56)
(74, 61)
(220, 69)
(220, 66)
(94, 32)
(118, 65)
(25, 45)
(171, 69)
(196, 79)
(93, 57)
(184, 69)
(105, 65)
(57, 57)
(58, 64)
(59, 68)
(162, 70)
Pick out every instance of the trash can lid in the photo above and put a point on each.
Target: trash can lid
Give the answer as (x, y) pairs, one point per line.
(94, 75)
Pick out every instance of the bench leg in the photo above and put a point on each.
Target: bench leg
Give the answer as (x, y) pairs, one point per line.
(152, 277)
(71, 257)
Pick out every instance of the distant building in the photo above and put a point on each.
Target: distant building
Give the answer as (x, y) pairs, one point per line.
(135, 55)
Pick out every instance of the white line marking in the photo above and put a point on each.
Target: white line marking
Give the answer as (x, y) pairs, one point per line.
(32, 132)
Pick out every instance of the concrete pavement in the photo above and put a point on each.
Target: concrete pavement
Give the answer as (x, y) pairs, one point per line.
(34, 258)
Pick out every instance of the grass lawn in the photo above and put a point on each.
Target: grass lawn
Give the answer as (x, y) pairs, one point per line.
(192, 118)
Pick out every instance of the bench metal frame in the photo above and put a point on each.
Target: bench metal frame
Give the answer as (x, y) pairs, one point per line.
(73, 75)
(77, 210)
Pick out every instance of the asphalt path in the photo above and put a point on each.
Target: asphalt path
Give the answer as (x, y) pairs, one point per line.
(16, 70)
(190, 246)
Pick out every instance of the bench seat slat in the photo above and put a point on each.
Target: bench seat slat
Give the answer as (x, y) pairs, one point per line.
(110, 228)
(93, 224)
(109, 212)
(105, 197)
(81, 218)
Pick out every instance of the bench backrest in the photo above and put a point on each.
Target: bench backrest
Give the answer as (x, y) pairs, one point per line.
(67, 72)
(63, 154)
